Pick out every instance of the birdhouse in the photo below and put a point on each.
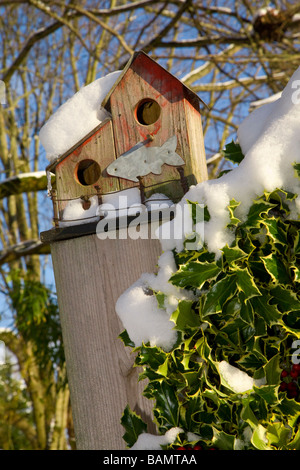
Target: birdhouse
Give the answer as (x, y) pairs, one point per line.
(152, 139)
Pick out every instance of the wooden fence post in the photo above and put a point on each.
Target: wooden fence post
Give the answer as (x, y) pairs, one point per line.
(90, 275)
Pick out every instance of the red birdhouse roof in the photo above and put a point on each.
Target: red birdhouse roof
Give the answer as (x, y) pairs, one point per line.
(142, 62)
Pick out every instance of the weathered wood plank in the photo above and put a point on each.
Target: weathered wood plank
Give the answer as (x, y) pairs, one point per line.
(196, 163)
(99, 147)
(179, 115)
(90, 275)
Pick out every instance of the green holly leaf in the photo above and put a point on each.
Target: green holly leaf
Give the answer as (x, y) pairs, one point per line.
(277, 234)
(233, 152)
(206, 214)
(295, 443)
(188, 413)
(297, 244)
(222, 440)
(289, 407)
(218, 295)
(258, 270)
(256, 212)
(203, 349)
(297, 168)
(233, 253)
(233, 219)
(237, 331)
(296, 271)
(273, 370)
(163, 369)
(246, 283)
(153, 356)
(278, 434)
(248, 415)
(285, 299)
(252, 361)
(268, 312)
(126, 340)
(199, 212)
(268, 393)
(166, 409)
(195, 274)
(160, 297)
(259, 438)
(133, 425)
(246, 312)
(276, 269)
(185, 317)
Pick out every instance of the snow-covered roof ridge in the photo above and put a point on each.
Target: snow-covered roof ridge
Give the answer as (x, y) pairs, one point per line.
(75, 118)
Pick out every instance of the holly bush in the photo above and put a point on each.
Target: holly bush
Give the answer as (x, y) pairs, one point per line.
(247, 313)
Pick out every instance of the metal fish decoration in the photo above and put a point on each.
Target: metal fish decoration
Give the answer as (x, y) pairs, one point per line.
(141, 160)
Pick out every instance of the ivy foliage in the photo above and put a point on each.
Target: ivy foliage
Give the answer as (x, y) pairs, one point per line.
(37, 318)
(247, 313)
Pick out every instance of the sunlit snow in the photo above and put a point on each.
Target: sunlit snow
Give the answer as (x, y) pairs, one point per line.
(75, 118)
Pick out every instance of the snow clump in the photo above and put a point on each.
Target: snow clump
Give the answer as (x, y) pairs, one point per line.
(140, 313)
(237, 380)
(147, 441)
(75, 118)
(75, 214)
(270, 140)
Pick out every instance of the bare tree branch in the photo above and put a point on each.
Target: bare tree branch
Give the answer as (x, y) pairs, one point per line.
(221, 86)
(24, 183)
(32, 40)
(27, 248)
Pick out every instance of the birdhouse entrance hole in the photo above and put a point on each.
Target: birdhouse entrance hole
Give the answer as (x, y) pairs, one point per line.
(147, 111)
(88, 172)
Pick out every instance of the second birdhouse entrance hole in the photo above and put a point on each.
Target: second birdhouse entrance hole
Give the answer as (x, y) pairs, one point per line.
(88, 172)
(147, 112)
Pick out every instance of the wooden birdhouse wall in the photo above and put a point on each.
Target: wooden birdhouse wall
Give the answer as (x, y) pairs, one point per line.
(145, 101)
(195, 150)
(175, 112)
(81, 172)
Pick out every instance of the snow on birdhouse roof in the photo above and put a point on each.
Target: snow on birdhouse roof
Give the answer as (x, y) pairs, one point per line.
(81, 114)
(76, 118)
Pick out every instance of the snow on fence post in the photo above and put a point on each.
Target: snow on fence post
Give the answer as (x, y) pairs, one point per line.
(146, 144)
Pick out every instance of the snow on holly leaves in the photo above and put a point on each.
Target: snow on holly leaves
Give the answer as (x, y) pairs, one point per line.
(233, 303)
(270, 140)
(213, 329)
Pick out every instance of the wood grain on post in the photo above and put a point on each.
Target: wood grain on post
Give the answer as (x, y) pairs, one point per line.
(90, 275)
